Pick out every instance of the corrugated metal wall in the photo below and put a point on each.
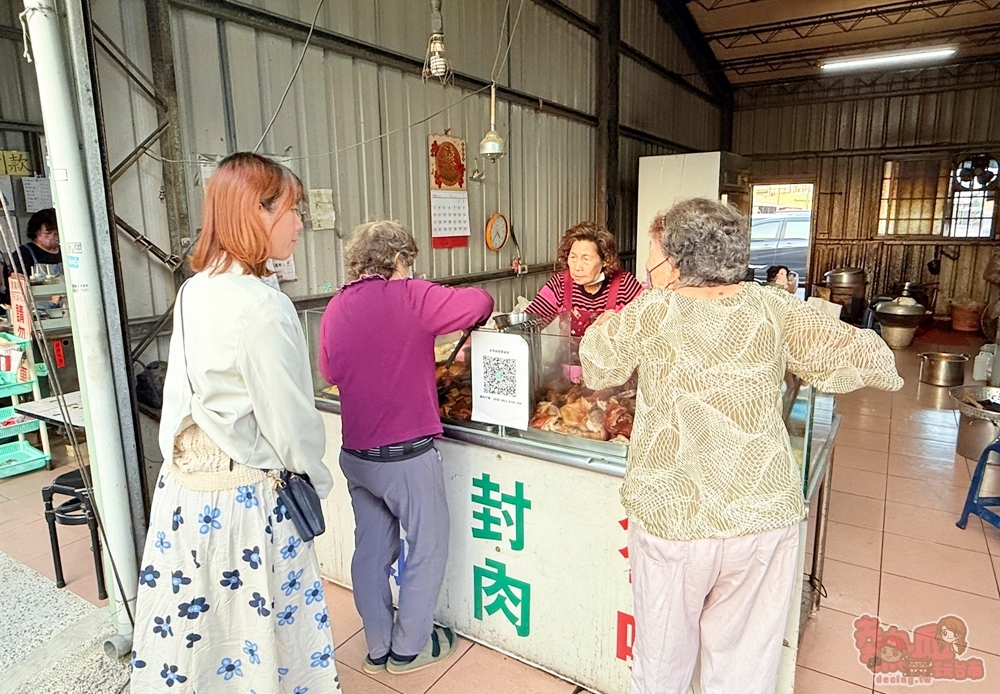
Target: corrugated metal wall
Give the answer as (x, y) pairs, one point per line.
(629, 151)
(838, 133)
(18, 87)
(344, 125)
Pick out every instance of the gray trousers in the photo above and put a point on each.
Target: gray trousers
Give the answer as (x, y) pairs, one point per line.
(386, 495)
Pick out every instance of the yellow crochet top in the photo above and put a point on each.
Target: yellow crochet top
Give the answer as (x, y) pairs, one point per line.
(709, 454)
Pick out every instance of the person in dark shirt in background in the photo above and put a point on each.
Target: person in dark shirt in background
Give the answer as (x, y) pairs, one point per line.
(42, 247)
(377, 347)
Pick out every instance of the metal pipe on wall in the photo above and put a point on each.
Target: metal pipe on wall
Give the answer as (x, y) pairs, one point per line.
(87, 312)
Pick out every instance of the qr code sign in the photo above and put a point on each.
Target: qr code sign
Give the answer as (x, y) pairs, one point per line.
(500, 376)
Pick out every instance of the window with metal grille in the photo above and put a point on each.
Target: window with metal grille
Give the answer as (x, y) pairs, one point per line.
(939, 197)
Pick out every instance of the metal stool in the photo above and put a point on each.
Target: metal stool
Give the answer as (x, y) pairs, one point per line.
(77, 510)
(976, 504)
(979, 402)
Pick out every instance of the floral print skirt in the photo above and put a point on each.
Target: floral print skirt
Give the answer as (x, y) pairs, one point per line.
(230, 599)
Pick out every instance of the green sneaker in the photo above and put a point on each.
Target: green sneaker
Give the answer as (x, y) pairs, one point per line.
(439, 647)
(373, 667)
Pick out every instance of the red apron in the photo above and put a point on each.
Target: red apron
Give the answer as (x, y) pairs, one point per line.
(581, 320)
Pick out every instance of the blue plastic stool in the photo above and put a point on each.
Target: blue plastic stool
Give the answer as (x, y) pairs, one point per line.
(979, 504)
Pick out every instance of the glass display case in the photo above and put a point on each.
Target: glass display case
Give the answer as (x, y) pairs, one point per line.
(565, 416)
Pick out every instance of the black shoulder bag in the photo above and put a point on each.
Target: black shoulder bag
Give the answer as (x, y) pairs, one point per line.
(295, 491)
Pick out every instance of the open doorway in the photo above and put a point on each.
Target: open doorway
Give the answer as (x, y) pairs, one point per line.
(781, 230)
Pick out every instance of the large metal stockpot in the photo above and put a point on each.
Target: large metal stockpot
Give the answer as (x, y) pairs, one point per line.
(943, 368)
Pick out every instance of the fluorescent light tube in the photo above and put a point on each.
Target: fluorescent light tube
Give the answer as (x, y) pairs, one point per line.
(862, 62)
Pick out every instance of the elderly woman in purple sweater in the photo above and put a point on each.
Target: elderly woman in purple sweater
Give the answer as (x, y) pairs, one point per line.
(378, 347)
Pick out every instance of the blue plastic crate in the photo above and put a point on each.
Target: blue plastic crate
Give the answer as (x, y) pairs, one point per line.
(20, 457)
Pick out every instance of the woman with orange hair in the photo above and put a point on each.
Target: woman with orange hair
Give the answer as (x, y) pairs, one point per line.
(230, 596)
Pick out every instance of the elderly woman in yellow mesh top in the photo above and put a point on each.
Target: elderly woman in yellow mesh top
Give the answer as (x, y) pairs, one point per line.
(712, 489)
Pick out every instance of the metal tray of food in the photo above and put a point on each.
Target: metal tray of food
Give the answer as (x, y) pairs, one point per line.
(983, 396)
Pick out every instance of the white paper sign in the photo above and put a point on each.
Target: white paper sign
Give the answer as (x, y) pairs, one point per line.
(321, 211)
(207, 164)
(450, 213)
(500, 385)
(284, 270)
(7, 191)
(37, 194)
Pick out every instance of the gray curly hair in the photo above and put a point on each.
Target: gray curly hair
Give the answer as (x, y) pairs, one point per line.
(375, 248)
(707, 241)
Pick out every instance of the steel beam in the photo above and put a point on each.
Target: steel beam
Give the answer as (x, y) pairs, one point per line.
(139, 150)
(828, 23)
(165, 83)
(606, 177)
(983, 35)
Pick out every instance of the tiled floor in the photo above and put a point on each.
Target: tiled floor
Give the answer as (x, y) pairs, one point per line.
(25, 536)
(893, 548)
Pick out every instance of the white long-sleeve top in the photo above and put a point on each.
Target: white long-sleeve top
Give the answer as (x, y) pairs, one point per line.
(246, 356)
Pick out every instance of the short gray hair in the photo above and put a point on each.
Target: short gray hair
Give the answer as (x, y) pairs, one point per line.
(375, 248)
(707, 241)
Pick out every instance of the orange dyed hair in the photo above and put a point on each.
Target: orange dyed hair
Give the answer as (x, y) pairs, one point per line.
(232, 230)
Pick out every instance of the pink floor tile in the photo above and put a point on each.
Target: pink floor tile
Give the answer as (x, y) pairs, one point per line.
(859, 482)
(14, 515)
(924, 431)
(484, 671)
(851, 509)
(854, 545)
(941, 565)
(811, 682)
(860, 459)
(987, 685)
(934, 526)
(354, 682)
(943, 418)
(828, 648)
(353, 655)
(879, 425)
(851, 589)
(344, 618)
(936, 495)
(919, 448)
(938, 471)
(907, 603)
(865, 440)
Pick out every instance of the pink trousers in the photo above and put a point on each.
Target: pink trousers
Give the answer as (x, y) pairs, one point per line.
(725, 599)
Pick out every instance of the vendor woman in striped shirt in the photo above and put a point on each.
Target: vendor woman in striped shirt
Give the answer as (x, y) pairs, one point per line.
(589, 282)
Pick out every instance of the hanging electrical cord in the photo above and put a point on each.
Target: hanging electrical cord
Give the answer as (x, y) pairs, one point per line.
(9, 243)
(503, 25)
(510, 41)
(295, 72)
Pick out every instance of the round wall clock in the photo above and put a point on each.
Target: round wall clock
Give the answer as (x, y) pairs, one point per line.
(497, 231)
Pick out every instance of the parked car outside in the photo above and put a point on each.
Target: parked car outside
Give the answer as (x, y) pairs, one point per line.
(780, 238)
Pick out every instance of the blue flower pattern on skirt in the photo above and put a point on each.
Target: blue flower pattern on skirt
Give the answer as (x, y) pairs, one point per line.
(252, 557)
(163, 627)
(230, 668)
(161, 542)
(148, 576)
(192, 609)
(293, 583)
(201, 587)
(247, 497)
(314, 594)
(290, 551)
(210, 520)
(287, 616)
(171, 676)
(251, 650)
(231, 580)
(178, 579)
(322, 658)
